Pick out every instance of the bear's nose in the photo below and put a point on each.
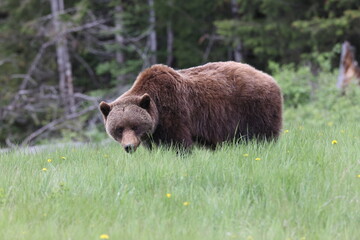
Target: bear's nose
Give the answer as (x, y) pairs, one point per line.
(129, 148)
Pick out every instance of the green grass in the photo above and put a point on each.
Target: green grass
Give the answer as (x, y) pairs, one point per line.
(304, 187)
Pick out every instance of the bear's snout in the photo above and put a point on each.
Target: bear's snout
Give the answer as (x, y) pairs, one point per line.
(130, 141)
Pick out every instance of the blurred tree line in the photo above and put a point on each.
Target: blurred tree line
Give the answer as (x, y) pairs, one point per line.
(59, 57)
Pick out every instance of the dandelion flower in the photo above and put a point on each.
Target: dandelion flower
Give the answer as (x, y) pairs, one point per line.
(168, 195)
(286, 131)
(333, 142)
(358, 176)
(104, 236)
(44, 169)
(49, 160)
(186, 203)
(257, 159)
(245, 154)
(63, 158)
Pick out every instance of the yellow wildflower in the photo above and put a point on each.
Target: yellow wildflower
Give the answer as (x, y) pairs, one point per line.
(49, 160)
(104, 236)
(330, 124)
(257, 159)
(245, 154)
(44, 169)
(286, 131)
(186, 203)
(63, 158)
(333, 142)
(358, 176)
(168, 195)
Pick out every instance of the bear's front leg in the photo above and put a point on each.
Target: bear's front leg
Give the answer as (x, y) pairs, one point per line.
(181, 138)
(147, 144)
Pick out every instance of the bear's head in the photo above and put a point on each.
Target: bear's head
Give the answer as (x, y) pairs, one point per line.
(130, 119)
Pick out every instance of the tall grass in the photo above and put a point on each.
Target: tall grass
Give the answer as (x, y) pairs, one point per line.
(303, 187)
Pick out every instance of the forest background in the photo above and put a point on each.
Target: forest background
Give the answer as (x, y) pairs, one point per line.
(59, 58)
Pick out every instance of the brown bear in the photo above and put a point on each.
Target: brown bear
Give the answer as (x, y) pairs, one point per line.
(208, 104)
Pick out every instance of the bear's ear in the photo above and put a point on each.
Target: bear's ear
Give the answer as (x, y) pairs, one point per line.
(145, 101)
(105, 109)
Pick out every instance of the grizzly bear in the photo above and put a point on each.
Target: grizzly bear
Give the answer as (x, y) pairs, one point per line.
(208, 105)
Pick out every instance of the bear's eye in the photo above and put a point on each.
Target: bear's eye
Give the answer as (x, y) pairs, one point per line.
(134, 128)
(119, 130)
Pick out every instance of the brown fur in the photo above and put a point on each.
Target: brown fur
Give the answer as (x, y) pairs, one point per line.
(208, 104)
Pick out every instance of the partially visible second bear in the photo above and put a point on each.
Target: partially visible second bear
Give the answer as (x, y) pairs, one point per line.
(209, 104)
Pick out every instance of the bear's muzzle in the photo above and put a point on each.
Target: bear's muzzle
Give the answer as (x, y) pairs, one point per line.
(129, 141)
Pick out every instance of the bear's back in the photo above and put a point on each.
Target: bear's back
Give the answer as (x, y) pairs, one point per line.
(229, 71)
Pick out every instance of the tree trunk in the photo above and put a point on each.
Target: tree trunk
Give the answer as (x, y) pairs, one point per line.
(63, 60)
(170, 44)
(152, 43)
(238, 57)
(119, 55)
(349, 67)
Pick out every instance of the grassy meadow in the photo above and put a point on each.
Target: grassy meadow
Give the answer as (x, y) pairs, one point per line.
(304, 186)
